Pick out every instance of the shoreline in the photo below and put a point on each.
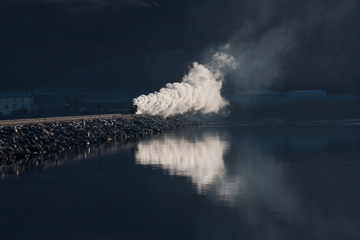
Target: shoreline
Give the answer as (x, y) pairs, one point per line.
(26, 138)
(27, 121)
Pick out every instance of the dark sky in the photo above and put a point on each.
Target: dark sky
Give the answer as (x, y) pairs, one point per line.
(126, 44)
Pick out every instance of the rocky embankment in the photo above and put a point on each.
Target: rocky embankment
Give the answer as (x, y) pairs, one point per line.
(25, 141)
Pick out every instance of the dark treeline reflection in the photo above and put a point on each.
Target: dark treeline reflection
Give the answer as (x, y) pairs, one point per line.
(42, 162)
(298, 182)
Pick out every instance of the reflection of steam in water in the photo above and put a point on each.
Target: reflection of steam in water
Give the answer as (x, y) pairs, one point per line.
(200, 159)
(254, 174)
(257, 181)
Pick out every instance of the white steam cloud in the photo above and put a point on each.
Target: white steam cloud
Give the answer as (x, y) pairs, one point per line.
(199, 91)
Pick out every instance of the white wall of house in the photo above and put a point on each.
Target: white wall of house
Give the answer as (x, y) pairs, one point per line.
(10, 104)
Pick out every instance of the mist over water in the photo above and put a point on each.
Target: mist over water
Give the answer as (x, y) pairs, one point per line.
(199, 91)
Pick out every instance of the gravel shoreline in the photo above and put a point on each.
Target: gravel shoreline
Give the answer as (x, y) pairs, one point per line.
(53, 135)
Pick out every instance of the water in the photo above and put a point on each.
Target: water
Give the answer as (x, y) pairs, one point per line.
(225, 182)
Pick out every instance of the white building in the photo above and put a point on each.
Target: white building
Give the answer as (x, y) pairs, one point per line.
(11, 101)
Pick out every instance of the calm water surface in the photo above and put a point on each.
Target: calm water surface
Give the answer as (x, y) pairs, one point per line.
(227, 182)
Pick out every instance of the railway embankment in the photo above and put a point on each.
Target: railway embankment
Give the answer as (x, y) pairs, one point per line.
(23, 139)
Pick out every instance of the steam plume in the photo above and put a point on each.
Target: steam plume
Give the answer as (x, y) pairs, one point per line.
(199, 91)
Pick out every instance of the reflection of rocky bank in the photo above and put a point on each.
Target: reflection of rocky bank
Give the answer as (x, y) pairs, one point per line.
(43, 162)
(24, 141)
(200, 159)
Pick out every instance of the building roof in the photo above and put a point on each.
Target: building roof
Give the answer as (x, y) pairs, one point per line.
(111, 97)
(60, 91)
(53, 101)
(307, 93)
(14, 94)
(259, 93)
